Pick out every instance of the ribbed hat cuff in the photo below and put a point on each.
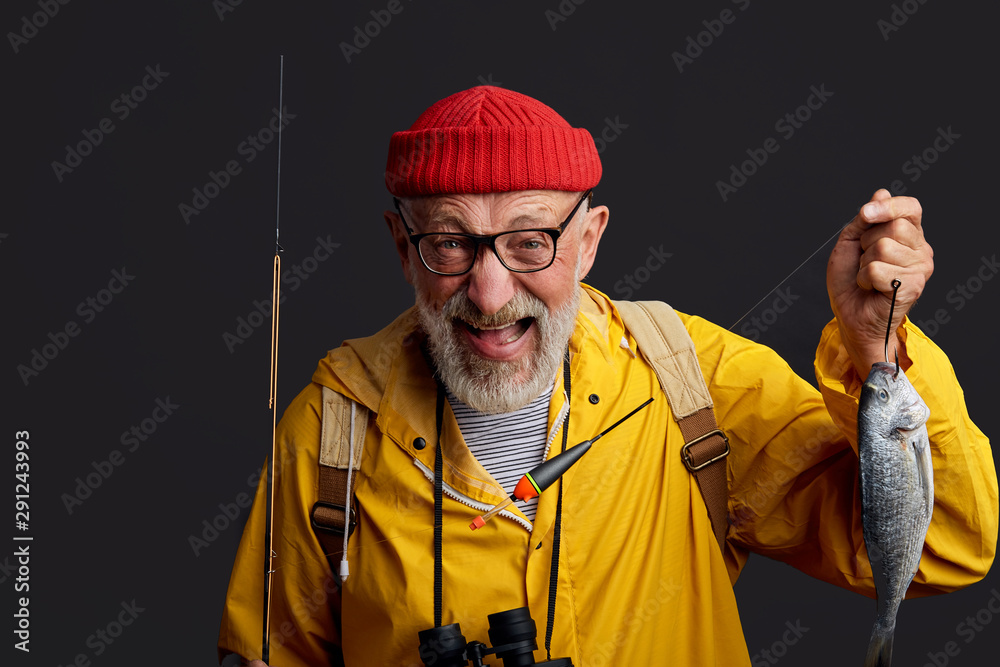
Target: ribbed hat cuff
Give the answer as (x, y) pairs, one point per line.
(481, 159)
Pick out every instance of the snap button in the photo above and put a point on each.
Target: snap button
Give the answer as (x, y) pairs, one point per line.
(595, 399)
(419, 443)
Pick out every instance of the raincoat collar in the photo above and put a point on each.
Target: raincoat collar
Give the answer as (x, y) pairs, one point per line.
(390, 375)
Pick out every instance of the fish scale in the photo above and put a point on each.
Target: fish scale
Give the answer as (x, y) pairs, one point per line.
(897, 493)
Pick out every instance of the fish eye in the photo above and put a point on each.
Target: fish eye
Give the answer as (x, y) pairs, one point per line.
(883, 395)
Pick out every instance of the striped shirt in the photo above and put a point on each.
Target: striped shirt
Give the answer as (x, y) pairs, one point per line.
(507, 445)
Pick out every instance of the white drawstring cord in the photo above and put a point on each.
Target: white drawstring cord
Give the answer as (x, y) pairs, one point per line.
(345, 569)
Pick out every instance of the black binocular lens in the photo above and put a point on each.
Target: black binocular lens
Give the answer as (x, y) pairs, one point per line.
(513, 634)
(443, 647)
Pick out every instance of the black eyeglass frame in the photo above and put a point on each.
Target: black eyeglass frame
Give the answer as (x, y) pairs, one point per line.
(490, 240)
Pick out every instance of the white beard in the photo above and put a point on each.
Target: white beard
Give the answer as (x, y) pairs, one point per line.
(494, 386)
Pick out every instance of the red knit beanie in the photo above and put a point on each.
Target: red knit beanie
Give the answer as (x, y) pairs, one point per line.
(489, 139)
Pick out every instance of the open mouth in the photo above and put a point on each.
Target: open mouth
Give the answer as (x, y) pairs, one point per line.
(501, 334)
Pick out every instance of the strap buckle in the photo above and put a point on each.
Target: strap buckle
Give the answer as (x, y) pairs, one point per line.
(332, 524)
(689, 461)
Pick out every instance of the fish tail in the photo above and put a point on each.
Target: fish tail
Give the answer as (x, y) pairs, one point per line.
(880, 647)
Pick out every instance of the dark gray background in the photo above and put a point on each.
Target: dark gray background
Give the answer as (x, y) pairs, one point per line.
(162, 336)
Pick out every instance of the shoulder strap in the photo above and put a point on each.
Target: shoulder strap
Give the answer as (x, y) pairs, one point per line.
(342, 443)
(667, 346)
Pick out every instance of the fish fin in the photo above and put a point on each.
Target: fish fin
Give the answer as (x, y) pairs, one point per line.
(880, 648)
(913, 416)
(925, 468)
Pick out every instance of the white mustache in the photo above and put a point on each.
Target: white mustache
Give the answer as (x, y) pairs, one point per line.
(522, 305)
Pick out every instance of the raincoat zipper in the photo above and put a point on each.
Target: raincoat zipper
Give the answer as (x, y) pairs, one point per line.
(466, 500)
(560, 418)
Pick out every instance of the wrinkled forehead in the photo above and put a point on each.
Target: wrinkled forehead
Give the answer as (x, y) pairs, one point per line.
(489, 213)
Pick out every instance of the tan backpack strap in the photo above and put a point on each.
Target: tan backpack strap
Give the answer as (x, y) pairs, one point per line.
(667, 346)
(332, 514)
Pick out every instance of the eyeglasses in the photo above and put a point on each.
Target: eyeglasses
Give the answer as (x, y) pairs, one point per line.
(520, 251)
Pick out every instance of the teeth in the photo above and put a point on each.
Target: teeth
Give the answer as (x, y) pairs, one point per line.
(514, 337)
(485, 328)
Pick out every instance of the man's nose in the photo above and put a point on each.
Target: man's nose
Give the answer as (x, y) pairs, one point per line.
(491, 284)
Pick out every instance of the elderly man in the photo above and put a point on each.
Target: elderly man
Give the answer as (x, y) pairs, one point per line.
(506, 359)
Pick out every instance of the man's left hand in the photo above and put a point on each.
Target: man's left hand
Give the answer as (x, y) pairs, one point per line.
(885, 241)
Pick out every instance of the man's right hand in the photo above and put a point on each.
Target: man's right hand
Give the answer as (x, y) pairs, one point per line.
(257, 663)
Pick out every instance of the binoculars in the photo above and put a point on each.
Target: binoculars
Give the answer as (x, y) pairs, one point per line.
(512, 633)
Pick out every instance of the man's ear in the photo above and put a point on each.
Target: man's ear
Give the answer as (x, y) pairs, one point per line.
(402, 241)
(593, 229)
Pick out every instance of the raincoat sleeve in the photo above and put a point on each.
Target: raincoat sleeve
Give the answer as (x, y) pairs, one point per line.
(304, 596)
(793, 471)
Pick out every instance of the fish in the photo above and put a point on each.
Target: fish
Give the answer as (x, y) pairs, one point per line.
(897, 493)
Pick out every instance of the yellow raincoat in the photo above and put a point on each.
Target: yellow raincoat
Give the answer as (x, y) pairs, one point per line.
(640, 573)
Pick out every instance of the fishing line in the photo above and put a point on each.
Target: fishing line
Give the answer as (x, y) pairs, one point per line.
(835, 234)
(888, 327)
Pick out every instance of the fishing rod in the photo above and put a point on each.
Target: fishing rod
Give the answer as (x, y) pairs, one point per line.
(269, 553)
